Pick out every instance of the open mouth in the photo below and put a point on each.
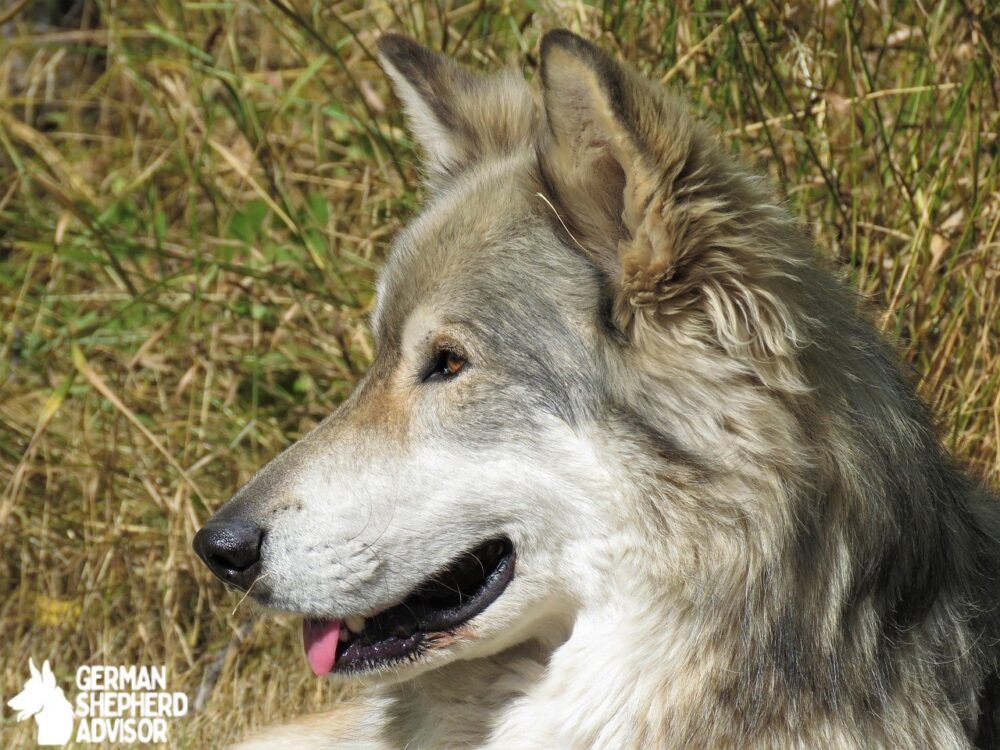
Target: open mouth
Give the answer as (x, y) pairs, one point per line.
(450, 598)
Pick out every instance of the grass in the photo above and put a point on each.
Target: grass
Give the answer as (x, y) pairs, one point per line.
(194, 200)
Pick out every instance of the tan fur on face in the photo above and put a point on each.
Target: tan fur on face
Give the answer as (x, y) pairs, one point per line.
(381, 406)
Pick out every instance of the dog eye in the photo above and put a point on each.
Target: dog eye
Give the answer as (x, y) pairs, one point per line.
(447, 364)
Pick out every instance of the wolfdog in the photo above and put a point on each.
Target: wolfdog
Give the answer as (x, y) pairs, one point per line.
(628, 470)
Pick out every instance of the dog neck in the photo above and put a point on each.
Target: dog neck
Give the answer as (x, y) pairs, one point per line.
(642, 669)
(610, 680)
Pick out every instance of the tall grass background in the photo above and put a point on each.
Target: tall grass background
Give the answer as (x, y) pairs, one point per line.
(195, 198)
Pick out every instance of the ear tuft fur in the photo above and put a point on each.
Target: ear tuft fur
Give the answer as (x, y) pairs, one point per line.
(683, 232)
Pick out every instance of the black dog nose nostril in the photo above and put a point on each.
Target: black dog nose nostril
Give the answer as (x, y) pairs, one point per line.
(231, 549)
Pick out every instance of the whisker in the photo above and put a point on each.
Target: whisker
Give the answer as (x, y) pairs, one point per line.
(249, 589)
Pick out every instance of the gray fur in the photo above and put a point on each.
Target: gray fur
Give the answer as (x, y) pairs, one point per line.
(827, 576)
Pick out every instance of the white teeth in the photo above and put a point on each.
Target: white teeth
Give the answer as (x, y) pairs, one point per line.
(355, 623)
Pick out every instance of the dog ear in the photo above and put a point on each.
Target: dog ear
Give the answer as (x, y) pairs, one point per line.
(590, 153)
(457, 116)
(673, 221)
(617, 150)
(33, 668)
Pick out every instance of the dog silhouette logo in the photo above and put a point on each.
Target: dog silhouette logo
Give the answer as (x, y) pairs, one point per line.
(43, 699)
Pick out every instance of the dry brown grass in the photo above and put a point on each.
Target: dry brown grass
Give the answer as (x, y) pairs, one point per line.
(193, 200)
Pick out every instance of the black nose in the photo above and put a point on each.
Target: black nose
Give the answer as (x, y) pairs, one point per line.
(231, 549)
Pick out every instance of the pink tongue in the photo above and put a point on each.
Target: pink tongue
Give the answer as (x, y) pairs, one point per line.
(320, 638)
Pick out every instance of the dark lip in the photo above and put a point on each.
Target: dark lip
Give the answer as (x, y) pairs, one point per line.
(406, 630)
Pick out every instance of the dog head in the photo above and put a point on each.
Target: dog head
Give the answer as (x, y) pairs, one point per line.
(39, 692)
(583, 258)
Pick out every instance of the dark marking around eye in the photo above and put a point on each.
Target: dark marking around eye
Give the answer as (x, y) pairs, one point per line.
(446, 365)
